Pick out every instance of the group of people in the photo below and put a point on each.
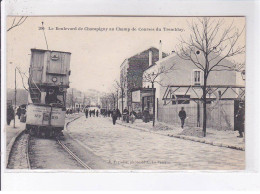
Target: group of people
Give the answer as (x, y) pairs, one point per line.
(108, 113)
(115, 114)
(71, 111)
(91, 113)
(20, 112)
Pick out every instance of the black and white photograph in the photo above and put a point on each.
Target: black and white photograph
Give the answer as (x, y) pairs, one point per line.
(130, 95)
(125, 93)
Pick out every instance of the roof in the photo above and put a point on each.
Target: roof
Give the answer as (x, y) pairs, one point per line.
(43, 50)
(163, 59)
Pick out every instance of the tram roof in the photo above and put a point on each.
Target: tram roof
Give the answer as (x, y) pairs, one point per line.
(33, 49)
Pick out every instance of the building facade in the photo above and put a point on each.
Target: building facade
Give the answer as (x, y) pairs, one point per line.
(131, 72)
(182, 87)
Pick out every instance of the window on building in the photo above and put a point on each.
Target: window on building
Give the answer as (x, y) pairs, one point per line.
(197, 77)
(180, 99)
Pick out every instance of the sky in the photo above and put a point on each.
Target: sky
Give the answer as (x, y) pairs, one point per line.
(96, 55)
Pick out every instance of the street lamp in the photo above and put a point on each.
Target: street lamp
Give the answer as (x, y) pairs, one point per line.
(15, 91)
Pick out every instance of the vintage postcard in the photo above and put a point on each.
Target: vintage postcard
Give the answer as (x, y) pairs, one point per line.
(125, 93)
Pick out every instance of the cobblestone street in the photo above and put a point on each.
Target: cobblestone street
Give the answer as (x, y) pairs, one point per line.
(135, 149)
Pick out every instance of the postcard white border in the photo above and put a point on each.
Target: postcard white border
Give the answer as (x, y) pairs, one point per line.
(177, 180)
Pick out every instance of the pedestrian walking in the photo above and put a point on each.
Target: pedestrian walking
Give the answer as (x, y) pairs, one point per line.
(86, 113)
(126, 115)
(118, 114)
(18, 112)
(10, 114)
(132, 116)
(23, 114)
(94, 113)
(182, 115)
(97, 113)
(114, 116)
(146, 115)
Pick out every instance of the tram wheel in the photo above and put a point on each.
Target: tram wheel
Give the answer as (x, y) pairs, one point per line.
(42, 133)
(47, 133)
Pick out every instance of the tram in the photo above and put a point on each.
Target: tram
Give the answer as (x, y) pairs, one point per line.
(48, 83)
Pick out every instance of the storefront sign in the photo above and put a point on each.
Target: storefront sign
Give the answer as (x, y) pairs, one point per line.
(136, 96)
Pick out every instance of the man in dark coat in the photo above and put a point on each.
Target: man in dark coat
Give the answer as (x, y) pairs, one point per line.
(86, 113)
(18, 112)
(126, 115)
(114, 116)
(146, 115)
(241, 119)
(118, 113)
(10, 114)
(182, 115)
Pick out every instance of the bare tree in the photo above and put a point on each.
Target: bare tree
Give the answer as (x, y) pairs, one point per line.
(121, 86)
(207, 46)
(152, 78)
(17, 22)
(240, 67)
(116, 92)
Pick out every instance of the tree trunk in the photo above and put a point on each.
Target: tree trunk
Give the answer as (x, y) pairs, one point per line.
(204, 98)
(153, 104)
(122, 103)
(114, 103)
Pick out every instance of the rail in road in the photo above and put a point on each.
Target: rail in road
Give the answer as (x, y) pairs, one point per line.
(73, 155)
(19, 155)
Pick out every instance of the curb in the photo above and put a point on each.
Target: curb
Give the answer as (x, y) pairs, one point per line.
(66, 125)
(195, 139)
(11, 144)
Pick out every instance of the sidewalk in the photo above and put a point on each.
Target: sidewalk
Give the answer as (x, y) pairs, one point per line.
(213, 137)
(12, 132)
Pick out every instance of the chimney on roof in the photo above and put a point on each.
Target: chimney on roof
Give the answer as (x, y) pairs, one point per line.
(160, 50)
(150, 58)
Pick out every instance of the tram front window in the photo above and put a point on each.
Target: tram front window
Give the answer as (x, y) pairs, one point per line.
(60, 99)
(52, 97)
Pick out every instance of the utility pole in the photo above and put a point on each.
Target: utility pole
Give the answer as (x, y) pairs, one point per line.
(14, 95)
(83, 101)
(117, 99)
(72, 101)
(153, 104)
(122, 91)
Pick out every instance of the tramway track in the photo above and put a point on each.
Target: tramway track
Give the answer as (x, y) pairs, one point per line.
(83, 164)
